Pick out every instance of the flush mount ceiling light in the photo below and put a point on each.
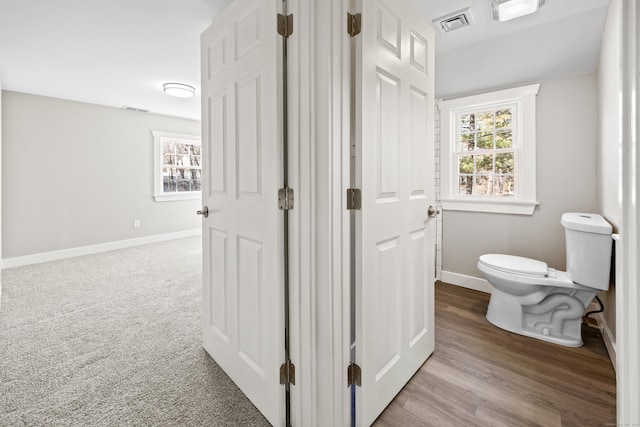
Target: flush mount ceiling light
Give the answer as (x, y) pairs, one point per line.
(180, 90)
(504, 10)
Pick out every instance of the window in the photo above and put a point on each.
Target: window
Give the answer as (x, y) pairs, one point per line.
(178, 166)
(488, 152)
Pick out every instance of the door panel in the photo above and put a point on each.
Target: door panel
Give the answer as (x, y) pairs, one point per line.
(242, 280)
(394, 168)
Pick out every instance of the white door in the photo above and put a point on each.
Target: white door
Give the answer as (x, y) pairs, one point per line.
(395, 237)
(242, 274)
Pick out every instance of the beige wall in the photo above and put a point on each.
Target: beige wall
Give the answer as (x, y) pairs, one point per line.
(77, 174)
(610, 136)
(566, 181)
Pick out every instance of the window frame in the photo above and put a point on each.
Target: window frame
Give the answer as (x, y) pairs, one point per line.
(524, 201)
(158, 185)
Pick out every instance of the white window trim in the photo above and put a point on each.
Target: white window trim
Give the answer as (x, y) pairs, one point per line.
(158, 194)
(524, 202)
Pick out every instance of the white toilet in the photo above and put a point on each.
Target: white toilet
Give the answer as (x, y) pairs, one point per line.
(531, 299)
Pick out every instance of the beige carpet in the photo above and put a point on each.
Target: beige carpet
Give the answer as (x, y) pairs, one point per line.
(113, 339)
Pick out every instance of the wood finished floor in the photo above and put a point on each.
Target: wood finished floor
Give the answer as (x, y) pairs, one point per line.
(481, 375)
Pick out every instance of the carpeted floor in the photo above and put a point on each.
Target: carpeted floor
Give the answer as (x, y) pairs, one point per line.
(113, 339)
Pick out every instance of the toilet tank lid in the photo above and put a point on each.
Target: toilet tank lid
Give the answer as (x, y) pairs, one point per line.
(515, 264)
(587, 222)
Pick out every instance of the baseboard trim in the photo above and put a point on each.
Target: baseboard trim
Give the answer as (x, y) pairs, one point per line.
(93, 249)
(608, 338)
(468, 282)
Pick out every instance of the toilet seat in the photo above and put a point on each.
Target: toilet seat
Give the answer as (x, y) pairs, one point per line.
(515, 265)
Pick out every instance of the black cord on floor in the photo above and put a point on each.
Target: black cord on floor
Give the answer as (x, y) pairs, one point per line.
(595, 311)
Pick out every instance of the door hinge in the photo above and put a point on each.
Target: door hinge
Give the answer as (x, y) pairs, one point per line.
(354, 199)
(285, 25)
(354, 24)
(354, 375)
(285, 198)
(288, 373)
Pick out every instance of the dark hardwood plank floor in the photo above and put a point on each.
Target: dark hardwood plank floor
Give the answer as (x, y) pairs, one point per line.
(481, 375)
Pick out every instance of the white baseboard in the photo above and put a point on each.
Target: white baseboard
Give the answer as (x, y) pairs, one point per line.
(93, 249)
(468, 282)
(608, 338)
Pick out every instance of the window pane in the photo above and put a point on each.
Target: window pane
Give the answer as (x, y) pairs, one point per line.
(169, 185)
(467, 123)
(504, 139)
(504, 185)
(465, 164)
(484, 163)
(168, 159)
(168, 180)
(195, 150)
(170, 172)
(184, 185)
(485, 140)
(465, 185)
(182, 149)
(168, 147)
(504, 163)
(196, 173)
(503, 118)
(195, 160)
(485, 120)
(466, 141)
(196, 185)
(483, 185)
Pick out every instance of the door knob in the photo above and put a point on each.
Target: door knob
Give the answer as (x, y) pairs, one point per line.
(204, 212)
(432, 212)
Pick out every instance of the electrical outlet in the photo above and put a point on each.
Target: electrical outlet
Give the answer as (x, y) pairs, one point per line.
(136, 223)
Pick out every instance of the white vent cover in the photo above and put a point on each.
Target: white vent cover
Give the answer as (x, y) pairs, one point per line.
(453, 21)
(125, 107)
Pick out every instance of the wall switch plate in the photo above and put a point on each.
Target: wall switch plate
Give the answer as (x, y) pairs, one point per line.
(136, 223)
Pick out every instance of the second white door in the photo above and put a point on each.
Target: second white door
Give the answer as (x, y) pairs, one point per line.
(395, 237)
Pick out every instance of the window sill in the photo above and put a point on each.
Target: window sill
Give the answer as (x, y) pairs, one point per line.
(174, 197)
(516, 207)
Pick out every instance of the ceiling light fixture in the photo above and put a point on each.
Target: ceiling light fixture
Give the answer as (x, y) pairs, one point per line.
(504, 10)
(180, 90)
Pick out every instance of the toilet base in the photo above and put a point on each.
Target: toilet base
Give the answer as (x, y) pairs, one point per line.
(556, 318)
(567, 342)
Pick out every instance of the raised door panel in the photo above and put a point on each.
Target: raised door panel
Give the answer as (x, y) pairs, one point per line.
(388, 136)
(217, 123)
(248, 142)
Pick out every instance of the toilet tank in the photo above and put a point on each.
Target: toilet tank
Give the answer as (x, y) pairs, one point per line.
(588, 244)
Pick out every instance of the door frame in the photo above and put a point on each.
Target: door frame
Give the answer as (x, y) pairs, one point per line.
(627, 296)
(319, 142)
(1, 195)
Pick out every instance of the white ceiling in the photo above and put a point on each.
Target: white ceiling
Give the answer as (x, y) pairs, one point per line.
(119, 52)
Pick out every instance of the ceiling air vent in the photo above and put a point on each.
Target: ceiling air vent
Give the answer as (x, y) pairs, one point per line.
(124, 107)
(453, 21)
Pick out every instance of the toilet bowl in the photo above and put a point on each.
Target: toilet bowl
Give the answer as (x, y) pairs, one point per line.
(531, 299)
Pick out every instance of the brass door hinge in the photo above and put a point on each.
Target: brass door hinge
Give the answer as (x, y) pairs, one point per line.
(354, 24)
(354, 375)
(285, 25)
(288, 373)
